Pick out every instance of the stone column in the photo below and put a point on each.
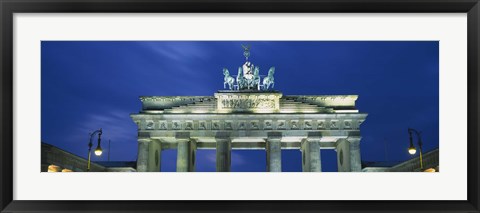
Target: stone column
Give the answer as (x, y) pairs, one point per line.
(224, 147)
(348, 155)
(355, 158)
(311, 159)
(154, 156)
(186, 149)
(142, 157)
(274, 152)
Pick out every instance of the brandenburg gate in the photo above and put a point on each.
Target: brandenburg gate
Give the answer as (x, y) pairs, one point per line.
(249, 114)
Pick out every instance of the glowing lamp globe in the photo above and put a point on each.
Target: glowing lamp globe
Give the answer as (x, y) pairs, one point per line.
(98, 151)
(412, 150)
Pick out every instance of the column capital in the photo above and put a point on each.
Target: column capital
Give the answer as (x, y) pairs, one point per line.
(314, 136)
(182, 135)
(274, 136)
(222, 136)
(354, 139)
(350, 140)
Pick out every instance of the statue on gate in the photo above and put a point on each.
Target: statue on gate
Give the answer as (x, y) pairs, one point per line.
(269, 80)
(227, 79)
(248, 77)
(240, 79)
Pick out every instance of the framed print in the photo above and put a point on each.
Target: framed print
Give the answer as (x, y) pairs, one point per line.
(164, 106)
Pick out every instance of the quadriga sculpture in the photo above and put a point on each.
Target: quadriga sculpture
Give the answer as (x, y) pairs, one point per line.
(227, 79)
(256, 77)
(240, 79)
(269, 80)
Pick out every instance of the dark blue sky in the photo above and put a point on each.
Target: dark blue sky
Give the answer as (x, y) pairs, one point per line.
(89, 85)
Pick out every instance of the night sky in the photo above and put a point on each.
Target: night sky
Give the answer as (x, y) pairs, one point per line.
(88, 85)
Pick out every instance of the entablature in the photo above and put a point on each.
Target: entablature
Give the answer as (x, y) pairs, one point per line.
(244, 122)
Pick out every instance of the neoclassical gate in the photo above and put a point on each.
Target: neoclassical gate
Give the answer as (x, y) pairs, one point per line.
(250, 115)
(249, 120)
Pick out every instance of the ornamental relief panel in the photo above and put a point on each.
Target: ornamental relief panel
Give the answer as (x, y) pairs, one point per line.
(281, 124)
(242, 125)
(228, 125)
(307, 125)
(347, 124)
(202, 125)
(254, 102)
(333, 124)
(189, 125)
(294, 124)
(268, 125)
(176, 125)
(165, 125)
(254, 125)
(216, 125)
(149, 124)
(321, 124)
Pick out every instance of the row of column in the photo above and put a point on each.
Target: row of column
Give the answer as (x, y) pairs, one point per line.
(348, 154)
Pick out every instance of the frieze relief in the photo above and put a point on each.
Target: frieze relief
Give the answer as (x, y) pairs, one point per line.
(333, 124)
(321, 124)
(307, 124)
(268, 125)
(227, 102)
(164, 125)
(281, 124)
(216, 125)
(248, 104)
(254, 125)
(149, 124)
(189, 125)
(176, 125)
(242, 125)
(228, 125)
(294, 124)
(202, 125)
(347, 124)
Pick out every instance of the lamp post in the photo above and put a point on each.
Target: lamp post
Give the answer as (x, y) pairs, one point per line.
(108, 149)
(98, 150)
(412, 150)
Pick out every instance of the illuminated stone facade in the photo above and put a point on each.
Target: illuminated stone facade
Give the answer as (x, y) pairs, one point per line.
(55, 159)
(244, 119)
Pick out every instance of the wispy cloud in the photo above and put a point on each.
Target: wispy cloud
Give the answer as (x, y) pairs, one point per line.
(116, 125)
(178, 51)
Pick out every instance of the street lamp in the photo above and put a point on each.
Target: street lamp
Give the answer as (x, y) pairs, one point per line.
(412, 150)
(98, 150)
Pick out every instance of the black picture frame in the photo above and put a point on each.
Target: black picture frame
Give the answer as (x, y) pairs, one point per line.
(9, 7)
